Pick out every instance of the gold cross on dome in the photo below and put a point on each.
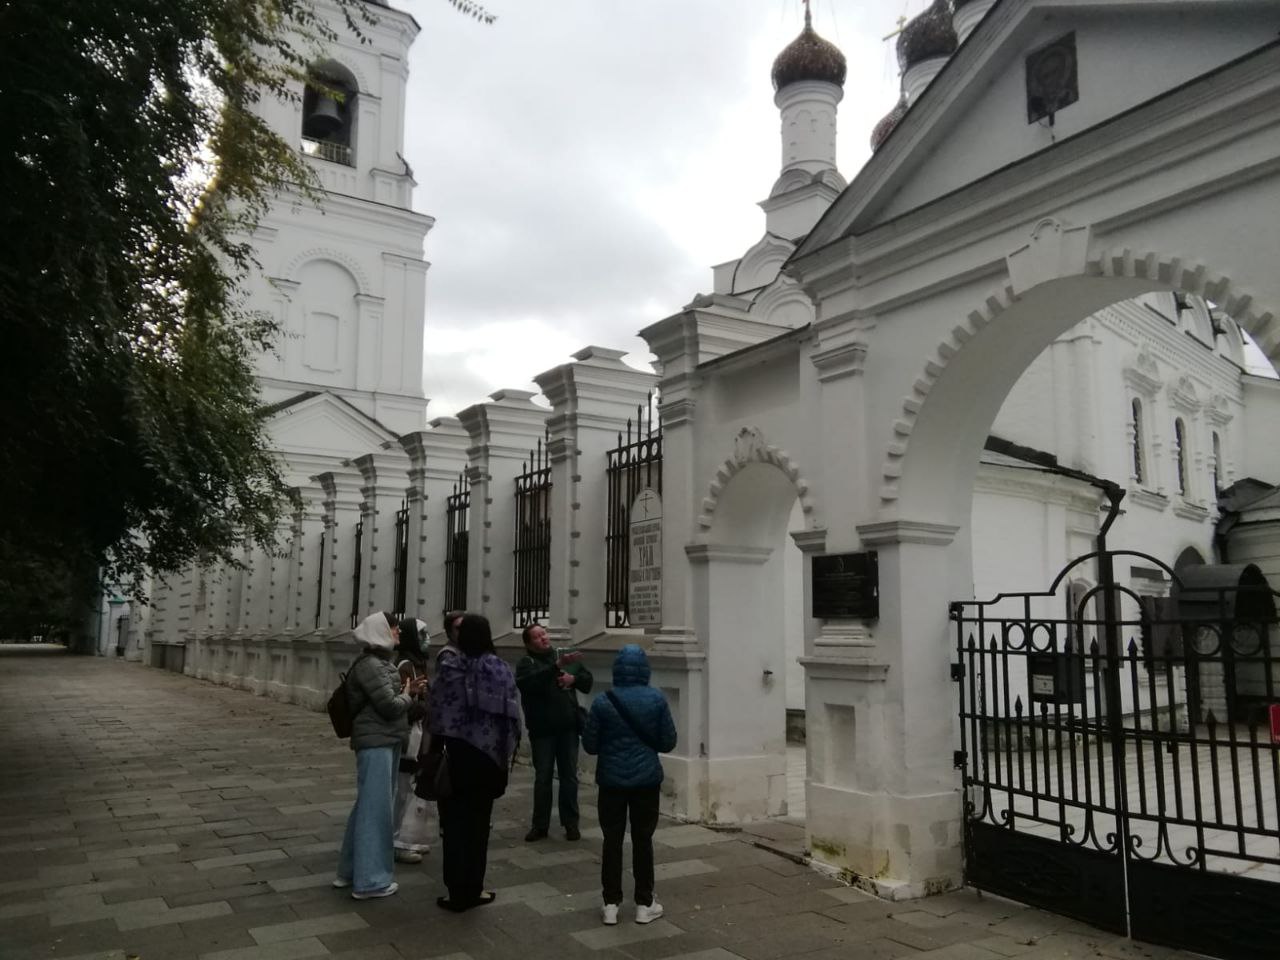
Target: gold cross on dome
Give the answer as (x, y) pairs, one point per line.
(902, 22)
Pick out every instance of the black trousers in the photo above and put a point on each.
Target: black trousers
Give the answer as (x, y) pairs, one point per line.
(556, 752)
(641, 804)
(465, 819)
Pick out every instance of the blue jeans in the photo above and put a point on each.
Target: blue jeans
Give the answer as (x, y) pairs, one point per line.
(555, 753)
(367, 859)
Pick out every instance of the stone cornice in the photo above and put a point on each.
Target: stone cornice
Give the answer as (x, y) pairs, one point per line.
(726, 553)
(882, 532)
(1189, 510)
(1182, 395)
(839, 361)
(840, 668)
(1036, 485)
(1148, 498)
(810, 541)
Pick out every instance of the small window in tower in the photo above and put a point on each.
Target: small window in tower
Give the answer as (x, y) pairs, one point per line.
(1052, 82)
(1180, 454)
(1217, 464)
(328, 113)
(1139, 472)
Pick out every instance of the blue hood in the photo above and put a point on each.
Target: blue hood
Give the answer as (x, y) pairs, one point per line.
(631, 668)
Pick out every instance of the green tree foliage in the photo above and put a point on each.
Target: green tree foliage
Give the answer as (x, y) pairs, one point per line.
(133, 168)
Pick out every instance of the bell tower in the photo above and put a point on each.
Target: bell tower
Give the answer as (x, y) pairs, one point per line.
(346, 279)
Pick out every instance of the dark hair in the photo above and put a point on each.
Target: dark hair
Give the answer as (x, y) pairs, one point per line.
(527, 632)
(413, 642)
(392, 621)
(475, 637)
(450, 633)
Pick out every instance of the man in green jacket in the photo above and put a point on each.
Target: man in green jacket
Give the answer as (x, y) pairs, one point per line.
(549, 680)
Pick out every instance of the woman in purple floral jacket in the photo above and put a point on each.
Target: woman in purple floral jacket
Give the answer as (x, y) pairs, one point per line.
(475, 720)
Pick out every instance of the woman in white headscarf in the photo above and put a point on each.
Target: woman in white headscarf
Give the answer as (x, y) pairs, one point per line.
(412, 815)
(379, 704)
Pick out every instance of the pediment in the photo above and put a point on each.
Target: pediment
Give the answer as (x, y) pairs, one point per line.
(323, 424)
(759, 266)
(972, 120)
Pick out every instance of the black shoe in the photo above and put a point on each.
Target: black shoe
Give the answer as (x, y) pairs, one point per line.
(572, 832)
(535, 833)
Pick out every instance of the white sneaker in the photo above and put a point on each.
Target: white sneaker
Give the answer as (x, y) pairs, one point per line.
(386, 891)
(408, 856)
(650, 913)
(340, 884)
(609, 914)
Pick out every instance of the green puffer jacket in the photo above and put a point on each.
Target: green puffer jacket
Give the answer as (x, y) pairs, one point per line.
(381, 711)
(548, 708)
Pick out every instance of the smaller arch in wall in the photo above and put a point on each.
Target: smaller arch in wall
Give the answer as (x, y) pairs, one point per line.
(759, 266)
(350, 263)
(784, 303)
(749, 446)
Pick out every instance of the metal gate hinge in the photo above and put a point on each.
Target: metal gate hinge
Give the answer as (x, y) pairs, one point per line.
(957, 671)
(958, 759)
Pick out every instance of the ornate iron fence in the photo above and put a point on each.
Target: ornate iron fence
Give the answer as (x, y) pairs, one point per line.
(457, 544)
(401, 574)
(1118, 765)
(355, 574)
(324, 539)
(531, 600)
(634, 464)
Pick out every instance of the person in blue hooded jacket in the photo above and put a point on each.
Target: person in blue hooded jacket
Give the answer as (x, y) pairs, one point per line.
(626, 730)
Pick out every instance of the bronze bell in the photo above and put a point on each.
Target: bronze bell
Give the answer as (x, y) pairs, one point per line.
(326, 117)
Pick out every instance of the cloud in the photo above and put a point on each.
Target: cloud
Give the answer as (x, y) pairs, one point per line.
(587, 161)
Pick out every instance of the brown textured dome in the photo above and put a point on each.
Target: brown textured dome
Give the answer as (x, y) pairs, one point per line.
(880, 133)
(809, 57)
(928, 36)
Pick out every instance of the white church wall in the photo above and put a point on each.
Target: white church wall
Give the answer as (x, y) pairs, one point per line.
(1258, 448)
(1192, 41)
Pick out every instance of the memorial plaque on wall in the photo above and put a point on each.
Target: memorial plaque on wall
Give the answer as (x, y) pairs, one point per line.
(644, 584)
(846, 585)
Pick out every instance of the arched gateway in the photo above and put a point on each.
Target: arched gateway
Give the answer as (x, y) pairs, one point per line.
(969, 242)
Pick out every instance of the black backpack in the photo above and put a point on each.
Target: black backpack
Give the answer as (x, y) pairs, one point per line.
(340, 713)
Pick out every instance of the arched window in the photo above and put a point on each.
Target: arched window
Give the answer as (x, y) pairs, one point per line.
(329, 113)
(1180, 454)
(1217, 464)
(1139, 472)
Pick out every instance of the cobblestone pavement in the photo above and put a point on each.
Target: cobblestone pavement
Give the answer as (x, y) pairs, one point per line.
(145, 814)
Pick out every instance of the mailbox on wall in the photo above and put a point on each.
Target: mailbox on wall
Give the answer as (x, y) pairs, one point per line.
(1056, 677)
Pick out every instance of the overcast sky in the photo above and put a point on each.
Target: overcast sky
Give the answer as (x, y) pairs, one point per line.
(587, 161)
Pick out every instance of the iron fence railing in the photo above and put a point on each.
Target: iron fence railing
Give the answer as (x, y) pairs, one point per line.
(324, 540)
(327, 150)
(400, 577)
(531, 594)
(633, 465)
(456, 544)
(355, 573)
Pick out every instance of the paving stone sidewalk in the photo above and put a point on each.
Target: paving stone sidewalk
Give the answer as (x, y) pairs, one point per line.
(148, 815)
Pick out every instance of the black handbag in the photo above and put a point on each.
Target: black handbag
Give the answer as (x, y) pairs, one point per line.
(434, 781)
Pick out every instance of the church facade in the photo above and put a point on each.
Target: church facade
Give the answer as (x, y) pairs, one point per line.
(1033, 296)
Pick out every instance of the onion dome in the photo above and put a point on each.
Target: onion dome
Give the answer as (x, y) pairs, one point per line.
(886, 126)
(928, 36)
(809, 57)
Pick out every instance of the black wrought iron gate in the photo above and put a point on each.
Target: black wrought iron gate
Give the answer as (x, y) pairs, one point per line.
(1118, 763)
